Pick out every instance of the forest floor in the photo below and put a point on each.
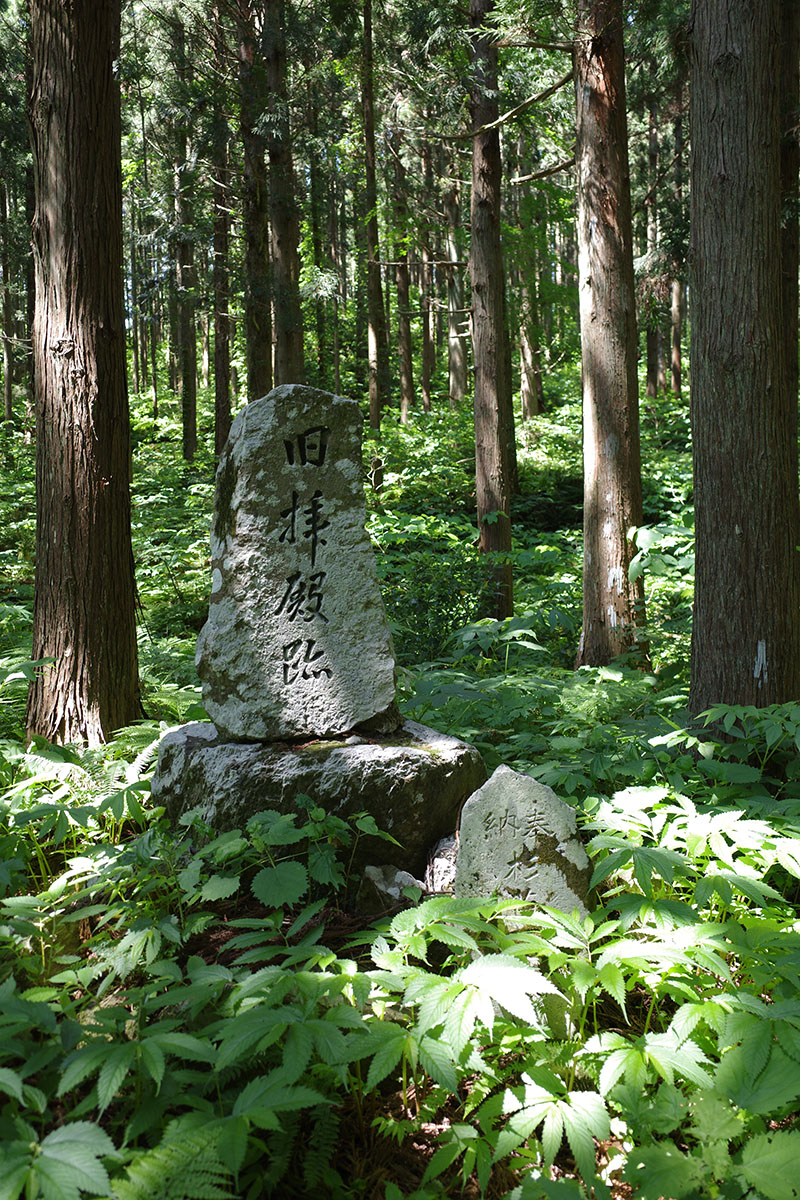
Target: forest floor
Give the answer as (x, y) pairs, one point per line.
(185, 1013)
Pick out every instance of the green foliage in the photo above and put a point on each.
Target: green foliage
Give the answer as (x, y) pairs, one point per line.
(181, 1013)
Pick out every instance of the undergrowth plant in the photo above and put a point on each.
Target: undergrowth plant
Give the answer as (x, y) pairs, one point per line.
(188, 1012)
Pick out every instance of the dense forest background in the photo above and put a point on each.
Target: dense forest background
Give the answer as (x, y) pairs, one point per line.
(532, 240)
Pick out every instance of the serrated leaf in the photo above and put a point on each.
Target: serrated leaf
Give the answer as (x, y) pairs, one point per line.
(11, 1083)
(118, 1062)
(68, 1160)
(272, 1093)
(509, 983)
(659, 1171)
(281, 885)
(769, 1163)
(460, 1021)
(82, 1063)
(436, 1061)
(777, 1085)
(219, 887)
(388, 1054)
(153, 1061)
(232, 1143)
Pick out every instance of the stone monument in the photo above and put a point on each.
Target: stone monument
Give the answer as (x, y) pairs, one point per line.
(518, 839)
(296, 657)
(296, 643)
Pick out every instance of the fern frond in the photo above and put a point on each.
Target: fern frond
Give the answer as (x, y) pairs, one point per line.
(189, 1169)
(321, 1145)
(280, 1147)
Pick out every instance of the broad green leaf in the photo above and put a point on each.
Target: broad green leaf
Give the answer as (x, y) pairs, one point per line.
(436, 1060)
(15, 1162)
(282, 885)
(11, 1083)
(232, 1142)
(219, 887)
(118, 1062)
(509, 983)
(68, 1160)
(272, 1093)
(776, 1086)
(770, 1164)
(659, 1171)
(391, 1044)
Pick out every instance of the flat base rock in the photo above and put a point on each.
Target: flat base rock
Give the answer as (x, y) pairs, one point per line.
(413, 782)
(517, 838)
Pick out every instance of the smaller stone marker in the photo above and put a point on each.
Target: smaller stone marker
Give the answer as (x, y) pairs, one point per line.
(296, 644)
(518, 839)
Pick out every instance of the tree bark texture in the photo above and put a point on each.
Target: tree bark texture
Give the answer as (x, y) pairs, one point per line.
(377, 351)
(221, 285)
(678, 303)
(790, 168)
(255, 209)
(491, 397)
(401, 231)
(288, 317)
(84, 616)
(651, 324)
(613, 605)
(745, 631)
(456, 342)
(7, 309)
(185, 271)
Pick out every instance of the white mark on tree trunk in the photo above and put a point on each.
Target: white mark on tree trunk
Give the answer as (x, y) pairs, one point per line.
(612, 616)
(760, 669)
(616, 578)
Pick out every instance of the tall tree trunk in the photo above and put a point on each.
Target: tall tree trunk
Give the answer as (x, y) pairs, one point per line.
(613, 605)
(220, 273)
(185, 272)
(426, 281)
(84, 617)
(401, 231)
(340, 271)
(677, 297)
(492, 399)
(7, 309)
(288, 318)
(745, 632)
(378, 359)
(316, 187)
(255, 208)
(651, 326)
(134, 288)
(790, 168)
(456, 341)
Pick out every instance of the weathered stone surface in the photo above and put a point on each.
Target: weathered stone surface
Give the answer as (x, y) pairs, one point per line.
(413, 782)
(441, 873)
(296, 643)
(383, 887)
(518, 839)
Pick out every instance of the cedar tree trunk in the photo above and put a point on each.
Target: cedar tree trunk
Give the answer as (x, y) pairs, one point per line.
(613, 606)
(491, 399)
(84, 608)
(745, 632)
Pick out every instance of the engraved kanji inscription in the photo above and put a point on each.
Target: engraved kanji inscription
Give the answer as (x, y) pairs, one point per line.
(309, 447)
(315, 522)
(289, 531)
(301, 661)
(303, 597)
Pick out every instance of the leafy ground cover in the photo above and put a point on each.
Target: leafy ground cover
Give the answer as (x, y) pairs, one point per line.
(191, 1014)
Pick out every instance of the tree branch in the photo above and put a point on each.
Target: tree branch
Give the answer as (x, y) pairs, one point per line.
(559, 166)
(512, 112)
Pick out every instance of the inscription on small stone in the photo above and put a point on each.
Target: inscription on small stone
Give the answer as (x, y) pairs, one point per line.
(518, 839)
(296, 641)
